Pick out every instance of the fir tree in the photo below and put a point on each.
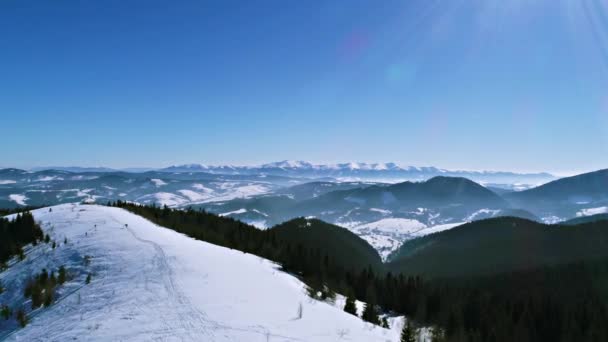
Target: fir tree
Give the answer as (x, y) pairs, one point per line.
(48, 297)
(385, 323)
(62, 275)
(437, 334)
(88, 280)
(408, 333)
(350, 306)
(370, 314)
(21, 317)
(5, 312)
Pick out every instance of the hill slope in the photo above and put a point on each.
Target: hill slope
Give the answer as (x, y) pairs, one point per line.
(151, 283)
(580, 195)
(341, 245)
(501, 245)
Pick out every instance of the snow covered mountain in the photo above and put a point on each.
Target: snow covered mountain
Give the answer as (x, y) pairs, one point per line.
(151, 283)
(49, 187)
(365, 171)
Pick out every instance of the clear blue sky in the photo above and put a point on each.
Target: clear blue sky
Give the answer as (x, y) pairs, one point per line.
(470, 84)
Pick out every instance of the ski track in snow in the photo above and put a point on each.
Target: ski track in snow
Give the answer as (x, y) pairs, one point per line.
(153, 284)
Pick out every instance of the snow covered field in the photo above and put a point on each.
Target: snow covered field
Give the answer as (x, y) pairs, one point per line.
(388, 234)
(152, 284)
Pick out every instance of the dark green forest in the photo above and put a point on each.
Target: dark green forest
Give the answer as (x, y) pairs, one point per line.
(547, 301)
(14, 234)
(502, 244)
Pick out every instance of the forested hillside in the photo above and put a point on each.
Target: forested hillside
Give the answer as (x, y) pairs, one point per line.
(502, 244)
(565, 302)
(16, 233)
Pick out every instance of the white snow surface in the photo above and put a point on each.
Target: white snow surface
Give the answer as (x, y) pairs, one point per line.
(394, 225)
(592, 211)
(387, 235)
(193, 195)
(158, 182)
(235, 212)
(150, 283)
(17, 198)
(7, 181)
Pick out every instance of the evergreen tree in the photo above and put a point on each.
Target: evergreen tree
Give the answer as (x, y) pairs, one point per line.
(48, 297)
(62, 275)
(385, 323)
(88, 280)
(437, 334)
(370, 314)
(408, 333)
(21, 317)
(350, 306)
(5, 312)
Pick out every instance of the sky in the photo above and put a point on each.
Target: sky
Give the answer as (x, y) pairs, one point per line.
(515, 85)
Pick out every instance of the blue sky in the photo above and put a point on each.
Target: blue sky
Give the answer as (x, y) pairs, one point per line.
(510, 85)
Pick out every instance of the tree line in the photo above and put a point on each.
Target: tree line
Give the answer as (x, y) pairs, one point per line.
(14, 234)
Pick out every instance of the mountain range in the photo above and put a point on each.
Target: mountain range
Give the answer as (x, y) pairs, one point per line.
(353, 170)
(385, 214)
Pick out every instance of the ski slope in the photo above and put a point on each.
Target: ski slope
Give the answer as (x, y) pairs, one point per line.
(150, 283)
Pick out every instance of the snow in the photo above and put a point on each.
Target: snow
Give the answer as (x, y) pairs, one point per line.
(236, 212)
(381, 211)
(153, 284)
(437, 229)
(592, 211)
(19, 199)
(158, 182)
(163, 198)
(387, 235)
(259, 212)
(48, 178)
(201, 187)
(242, 191)
(394, 225)
(483, 213)
(193, 195)
(551, 219)
(7, 181)
(260, 224)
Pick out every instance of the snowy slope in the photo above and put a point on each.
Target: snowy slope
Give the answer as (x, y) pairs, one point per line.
(151, 283)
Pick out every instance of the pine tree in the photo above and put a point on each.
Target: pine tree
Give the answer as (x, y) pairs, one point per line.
(88, 280)
(5, 312)
(21, 317)
(437, 334)
(409, 333)
(350, 306)
(48, 297)
(385, 323)
(62, 275)
(370, 314)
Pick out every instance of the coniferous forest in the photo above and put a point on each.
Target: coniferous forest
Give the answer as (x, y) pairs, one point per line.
(562, 302)
(14, 234)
